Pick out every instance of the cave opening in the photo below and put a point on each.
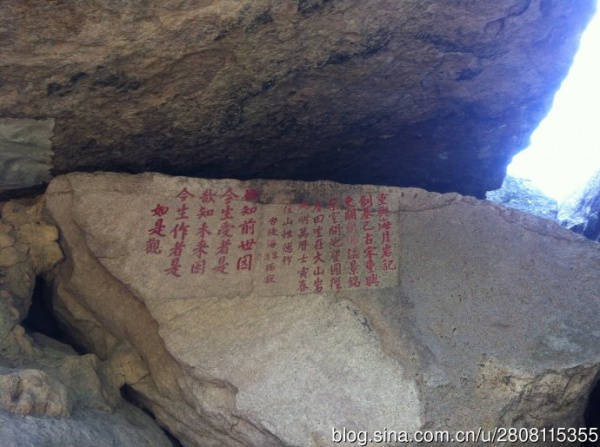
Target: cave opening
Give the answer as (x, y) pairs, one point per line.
(563, 153)
(591, 416)
(40, 317)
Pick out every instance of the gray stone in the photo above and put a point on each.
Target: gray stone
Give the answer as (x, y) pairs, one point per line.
(25, 152)
(421, 93)
(581, 211)
(522, 195)
(466, 314)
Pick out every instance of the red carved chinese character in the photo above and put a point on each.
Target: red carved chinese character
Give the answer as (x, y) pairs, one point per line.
(203, 230)
(385, 225)
(205, 212)
(180, 230)
(372, 279)
(334, 217)
(302, 287)
(198, 267)
(303, 259)
(336, 283)
(177, 249)
(158, 229)
(366, 201)
(287, 234)
(208, 196)
(318, 231)
(247, 245)
(303, 245)
(350, 214)
(229, 195)
(269, 279)
(174, 269)
(221, 266)
(303, 272)
(303, 233)
(251, 195)
(272, 243)
(286, 260)
(318, 258)
(367, 226)
(160, 210)
(225, 229)
(353, 281)
(182, 212)
(318, 244)
(288, 210)
(288, 247)
(368, 238)
(385, 237)
(303, 219)
(317, 208)
(388, 264)
(248, 226)
(227, 213)
(353, 267)
(224, 247)
(201, 249)
(270, 268)
(370, 252)
(353, 253)
(274, 255)
(333, 204)
(335, 243)
(153, 246)
(272, 232)
(336, 269)
(366, 213)
(288, 221)
(248, 210)
(382, 199)
(386, 251)
(184, 195)
(319, 218)
(383, 213)
(370, 265)
(335, 230)
(273, 221)
(318, 284)
(318, 271)
(244, 262)
(304, 205)
(349, 202)
(335, 255)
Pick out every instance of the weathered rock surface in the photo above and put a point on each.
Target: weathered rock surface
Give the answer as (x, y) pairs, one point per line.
(521, 194)
(50, 396)
(268, 313)
(581, 211)
(412, 93)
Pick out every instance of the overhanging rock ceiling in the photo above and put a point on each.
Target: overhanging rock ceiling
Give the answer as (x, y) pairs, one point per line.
(433, 94)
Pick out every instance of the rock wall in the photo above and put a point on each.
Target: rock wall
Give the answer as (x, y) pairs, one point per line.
(268, 313)
(49, 394)
(581, 211)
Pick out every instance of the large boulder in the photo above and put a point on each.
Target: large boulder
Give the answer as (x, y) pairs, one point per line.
(51, 396)
(430, 94)
(275, 313)
(522, 194)
(580, 212)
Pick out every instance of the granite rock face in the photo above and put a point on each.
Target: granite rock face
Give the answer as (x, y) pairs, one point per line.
(269, 313)
(412, 93)
(49, 394)
(581, 211)
(522, 195)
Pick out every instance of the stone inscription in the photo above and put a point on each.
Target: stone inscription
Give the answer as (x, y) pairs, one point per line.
(340, 243)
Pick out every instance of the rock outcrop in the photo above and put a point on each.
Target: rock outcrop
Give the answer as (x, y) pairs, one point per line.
(411, 93)
(581, 211)
(49, 394)
(270, 313)
(521, 194)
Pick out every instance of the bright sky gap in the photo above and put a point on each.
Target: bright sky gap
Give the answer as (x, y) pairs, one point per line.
(565, 148)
